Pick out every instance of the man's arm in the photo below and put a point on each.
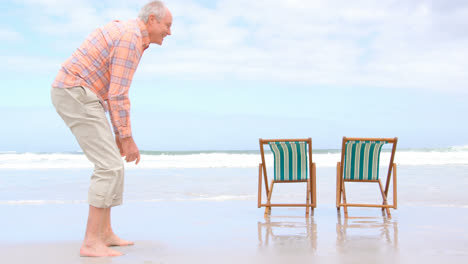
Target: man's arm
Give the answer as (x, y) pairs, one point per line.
(123, 63)
(127, 146)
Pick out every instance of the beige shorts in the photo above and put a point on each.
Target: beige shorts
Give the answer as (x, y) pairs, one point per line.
(81, 110)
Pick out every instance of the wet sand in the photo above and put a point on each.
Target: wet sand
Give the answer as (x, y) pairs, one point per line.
(237, 232)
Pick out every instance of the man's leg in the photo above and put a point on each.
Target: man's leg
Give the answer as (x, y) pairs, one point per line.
(93, 244)
(109, 237)
(83, 114)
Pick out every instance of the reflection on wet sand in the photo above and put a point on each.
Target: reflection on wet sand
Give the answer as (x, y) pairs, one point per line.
(287, 234)
(101, 260)
(359, 237)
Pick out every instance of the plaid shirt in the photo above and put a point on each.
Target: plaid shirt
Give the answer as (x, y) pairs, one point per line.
(105, 63)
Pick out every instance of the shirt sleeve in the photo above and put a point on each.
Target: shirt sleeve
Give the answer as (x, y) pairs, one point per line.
(116, 130)
(123, 63)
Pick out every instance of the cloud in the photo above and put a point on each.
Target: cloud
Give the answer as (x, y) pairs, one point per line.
(9, 35)
(345, 43)
(394, 44)
(29, 64)
(61, 18)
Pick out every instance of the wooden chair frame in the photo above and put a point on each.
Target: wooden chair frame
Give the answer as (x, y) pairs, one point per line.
(262, 171)
(340, 181)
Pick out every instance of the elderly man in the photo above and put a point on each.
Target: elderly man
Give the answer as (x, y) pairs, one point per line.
(96, 79)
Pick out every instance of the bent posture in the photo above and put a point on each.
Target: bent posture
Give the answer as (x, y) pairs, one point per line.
(96, 79)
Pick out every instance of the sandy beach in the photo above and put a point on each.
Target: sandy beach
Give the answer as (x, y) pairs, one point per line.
(210, 215)
(237, 232)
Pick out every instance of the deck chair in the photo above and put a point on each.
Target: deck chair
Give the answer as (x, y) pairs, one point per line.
(292, 163)
(360, 161)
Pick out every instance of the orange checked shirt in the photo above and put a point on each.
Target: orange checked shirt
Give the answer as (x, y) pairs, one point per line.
(105, 63)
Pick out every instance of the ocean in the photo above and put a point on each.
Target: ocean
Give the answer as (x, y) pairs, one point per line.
(457, 155)
(429, 177)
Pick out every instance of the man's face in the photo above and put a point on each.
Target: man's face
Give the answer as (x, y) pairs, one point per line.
(158, 30)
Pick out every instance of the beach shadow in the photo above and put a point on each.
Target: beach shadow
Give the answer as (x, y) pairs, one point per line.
(287, 234)
(369, 238)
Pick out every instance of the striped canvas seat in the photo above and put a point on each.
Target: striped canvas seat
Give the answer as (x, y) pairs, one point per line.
(361, 160)
(290, 160)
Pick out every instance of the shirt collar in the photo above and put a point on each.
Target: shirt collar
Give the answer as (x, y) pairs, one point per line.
(144, 34)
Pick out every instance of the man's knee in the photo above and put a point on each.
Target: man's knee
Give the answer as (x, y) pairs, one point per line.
(112, 166)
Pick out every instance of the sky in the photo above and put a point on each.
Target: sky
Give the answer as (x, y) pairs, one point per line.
(234, 71)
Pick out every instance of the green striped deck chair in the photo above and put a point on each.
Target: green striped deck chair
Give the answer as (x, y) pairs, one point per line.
(292, 162)
(360, 162)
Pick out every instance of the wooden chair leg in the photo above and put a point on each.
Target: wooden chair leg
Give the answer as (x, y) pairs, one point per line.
(338, 183)
(344, 198)
(384, 197)
(307, 197)
(259, 185)
(312, 198)
(310, 193)
(268, 207)
(267, 211)
(313, 186)
(394, 186)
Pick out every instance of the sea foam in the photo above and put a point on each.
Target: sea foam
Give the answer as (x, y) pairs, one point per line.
(455, 155)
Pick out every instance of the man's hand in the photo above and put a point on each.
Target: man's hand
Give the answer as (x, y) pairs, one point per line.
(128, 149)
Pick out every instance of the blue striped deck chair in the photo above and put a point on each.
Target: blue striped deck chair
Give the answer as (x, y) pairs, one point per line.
(360, 162)
(292, 163)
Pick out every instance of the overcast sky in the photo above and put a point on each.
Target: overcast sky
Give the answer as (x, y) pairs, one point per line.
(237, 70)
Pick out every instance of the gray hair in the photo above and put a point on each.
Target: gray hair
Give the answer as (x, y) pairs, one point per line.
(157, 8)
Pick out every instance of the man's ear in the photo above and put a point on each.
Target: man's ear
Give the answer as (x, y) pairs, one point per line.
(152, 19)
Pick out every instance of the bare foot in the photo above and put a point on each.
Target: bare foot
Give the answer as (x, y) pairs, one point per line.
(98, 250)
(114, 240)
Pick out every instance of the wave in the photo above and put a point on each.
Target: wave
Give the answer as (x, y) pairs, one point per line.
(40, 202)
(237, 159)
(461, 148)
